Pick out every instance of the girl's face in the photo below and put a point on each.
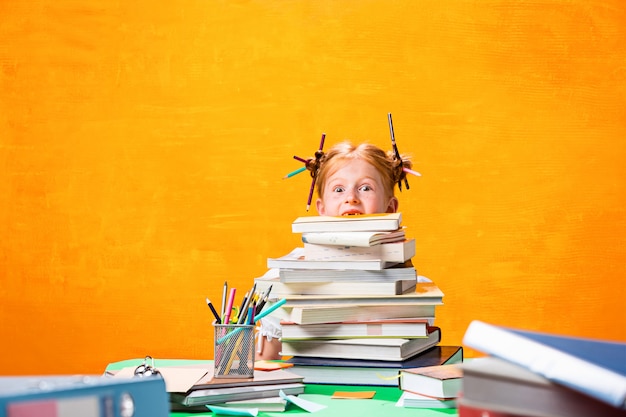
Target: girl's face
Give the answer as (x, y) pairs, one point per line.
(355, 188)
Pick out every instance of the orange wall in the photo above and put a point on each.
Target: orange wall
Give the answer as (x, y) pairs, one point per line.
(143, 144)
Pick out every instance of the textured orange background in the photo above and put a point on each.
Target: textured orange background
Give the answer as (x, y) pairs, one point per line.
(143, 144)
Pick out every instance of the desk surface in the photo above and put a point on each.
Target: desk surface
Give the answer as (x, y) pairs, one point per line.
(383, 403)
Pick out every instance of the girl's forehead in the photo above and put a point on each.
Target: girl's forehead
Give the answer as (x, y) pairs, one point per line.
(352, 168)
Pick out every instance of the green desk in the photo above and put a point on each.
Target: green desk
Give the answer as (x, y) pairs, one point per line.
(383, 403)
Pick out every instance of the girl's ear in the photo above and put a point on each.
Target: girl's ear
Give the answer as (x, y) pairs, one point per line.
(393, 205)
(319, 204)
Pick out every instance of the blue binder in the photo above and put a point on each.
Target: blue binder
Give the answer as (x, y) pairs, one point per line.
(85, 396)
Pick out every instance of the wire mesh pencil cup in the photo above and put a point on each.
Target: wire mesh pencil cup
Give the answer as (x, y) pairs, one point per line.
(234, 350)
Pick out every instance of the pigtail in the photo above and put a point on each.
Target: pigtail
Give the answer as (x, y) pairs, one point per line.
(399, 167)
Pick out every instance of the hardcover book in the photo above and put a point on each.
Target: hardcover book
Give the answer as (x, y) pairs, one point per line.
(340, 371)
(594, 367)
(439, 381)
(309, 314)
(392, 349)
(497, 385)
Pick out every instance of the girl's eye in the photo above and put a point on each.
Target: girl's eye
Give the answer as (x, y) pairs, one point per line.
(366, 188)
(338, 189)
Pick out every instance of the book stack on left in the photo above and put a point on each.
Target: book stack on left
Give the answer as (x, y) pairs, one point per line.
(355, 310)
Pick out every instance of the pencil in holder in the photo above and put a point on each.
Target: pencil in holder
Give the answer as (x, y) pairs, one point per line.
(234, 351)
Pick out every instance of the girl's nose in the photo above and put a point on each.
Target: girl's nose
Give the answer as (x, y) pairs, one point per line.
(351, 197)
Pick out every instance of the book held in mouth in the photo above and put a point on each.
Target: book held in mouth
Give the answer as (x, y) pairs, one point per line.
(357, 223)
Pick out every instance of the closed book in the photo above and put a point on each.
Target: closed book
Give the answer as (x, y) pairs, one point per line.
(365, 222)
(309, 314)
(237, 393)
(594, 367)
(278, 376)
(288, 290)
(361, 239)
(397, 252)
(504, 387)
(412, 400)
(295, 260)
(385, 328)
(341, 371)
(425, 293)
(400, 271)
(439, 381)
(392, 349)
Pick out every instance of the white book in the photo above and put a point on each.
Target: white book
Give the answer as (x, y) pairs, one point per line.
(396, 272)
(361, 239)
(366, 329)
(295, 260)
(396, 252)
(361, 223)
(289, 290)
(412, 400)
(328, 314)
(391, 349)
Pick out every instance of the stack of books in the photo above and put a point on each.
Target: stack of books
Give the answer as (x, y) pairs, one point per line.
(355, 310)
(540, 374)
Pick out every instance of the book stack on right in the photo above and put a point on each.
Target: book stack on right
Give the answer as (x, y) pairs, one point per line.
(356, 311)
(540, 374)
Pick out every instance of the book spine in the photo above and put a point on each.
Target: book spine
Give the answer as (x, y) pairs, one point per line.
(555, 365)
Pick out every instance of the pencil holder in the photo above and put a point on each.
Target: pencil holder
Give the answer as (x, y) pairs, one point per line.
(234, 351)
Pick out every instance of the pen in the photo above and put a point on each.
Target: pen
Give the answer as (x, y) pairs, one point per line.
(304, 161)
(217, 317)
(229, 307)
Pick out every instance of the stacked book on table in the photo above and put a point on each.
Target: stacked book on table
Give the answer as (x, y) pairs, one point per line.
(540, 374)
(435, 386)
(356, 312)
